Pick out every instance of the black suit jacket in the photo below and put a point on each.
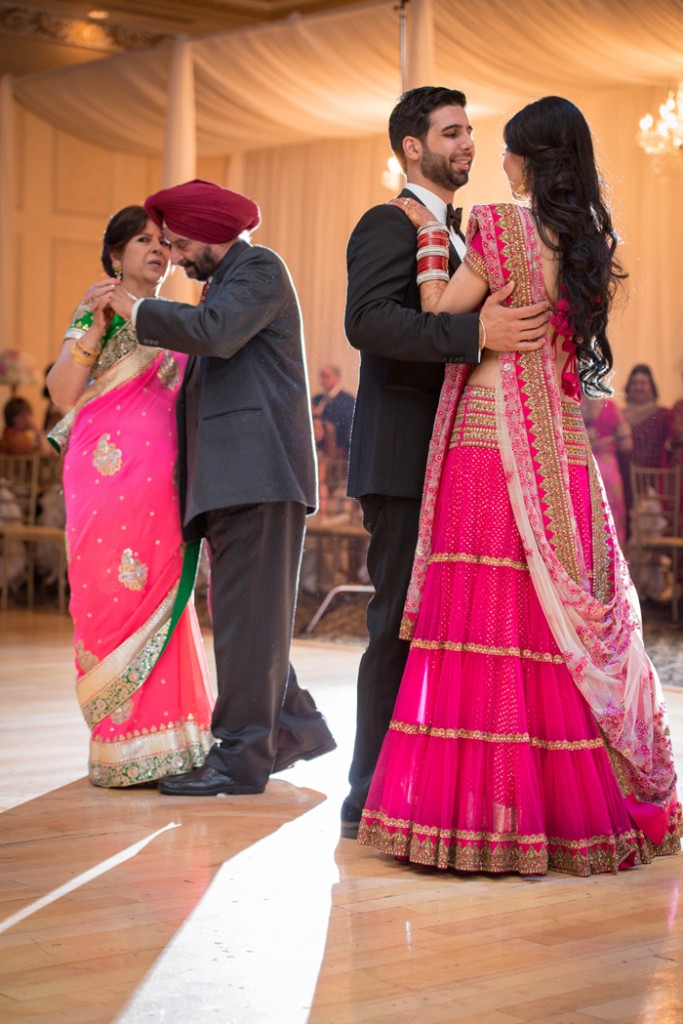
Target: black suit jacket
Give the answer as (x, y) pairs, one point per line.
(403, 355)
(248, 435)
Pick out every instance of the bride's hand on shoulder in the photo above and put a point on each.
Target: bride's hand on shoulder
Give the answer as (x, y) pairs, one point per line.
(417, 214)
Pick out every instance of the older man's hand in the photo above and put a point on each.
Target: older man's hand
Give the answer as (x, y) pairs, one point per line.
(121, 302)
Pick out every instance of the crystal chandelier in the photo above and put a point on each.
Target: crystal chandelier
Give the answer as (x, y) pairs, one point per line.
(664, 137)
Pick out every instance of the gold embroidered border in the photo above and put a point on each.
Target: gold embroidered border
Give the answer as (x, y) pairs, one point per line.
(499, 852)
(504, 563)
(514, 250)
(551, 486)
(112, 680)
(490, 855)
(409, 729)
(476, 262)
(152, 754)
(515, 652)
(603, 583)
(126, 369)
(470, 836)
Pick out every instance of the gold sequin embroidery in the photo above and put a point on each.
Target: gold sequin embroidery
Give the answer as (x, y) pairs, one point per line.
(494, 737)
(514, 652)
(132, 572)
(122, 713)
(169, 372)
(503, 563)
(86, 660)
(107, 459)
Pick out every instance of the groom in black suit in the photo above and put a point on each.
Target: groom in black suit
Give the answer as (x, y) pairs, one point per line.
(246, 475)
(403, 355)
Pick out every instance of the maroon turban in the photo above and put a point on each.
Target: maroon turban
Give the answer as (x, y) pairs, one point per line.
(203, 212)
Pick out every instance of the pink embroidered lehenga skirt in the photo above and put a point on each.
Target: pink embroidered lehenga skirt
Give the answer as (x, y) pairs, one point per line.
(493, 761)
(145, 696)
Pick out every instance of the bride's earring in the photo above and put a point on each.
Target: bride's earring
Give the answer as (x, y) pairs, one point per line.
(523, 190)
(118, 270)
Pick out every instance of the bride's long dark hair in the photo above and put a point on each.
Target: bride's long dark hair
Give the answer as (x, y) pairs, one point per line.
(554, 139)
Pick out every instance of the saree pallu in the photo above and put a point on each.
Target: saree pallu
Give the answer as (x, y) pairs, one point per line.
(142, 679)
(582, 600)
(493, 761)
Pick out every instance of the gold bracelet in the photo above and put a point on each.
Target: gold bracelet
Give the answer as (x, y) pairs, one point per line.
(82, 355)
(482, 343)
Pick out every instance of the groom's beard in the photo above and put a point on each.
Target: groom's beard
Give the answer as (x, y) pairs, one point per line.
(442, 172)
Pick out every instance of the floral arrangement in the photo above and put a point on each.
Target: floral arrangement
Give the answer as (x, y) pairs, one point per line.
(17, 369)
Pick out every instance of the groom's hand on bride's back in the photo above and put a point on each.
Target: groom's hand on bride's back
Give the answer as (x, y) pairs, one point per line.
(512, 329)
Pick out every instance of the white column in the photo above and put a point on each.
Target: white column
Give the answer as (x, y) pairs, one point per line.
(7, 240)
(420, 55)
(180, 148)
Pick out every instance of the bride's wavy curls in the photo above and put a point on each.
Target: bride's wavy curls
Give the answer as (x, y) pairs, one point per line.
(567, 202)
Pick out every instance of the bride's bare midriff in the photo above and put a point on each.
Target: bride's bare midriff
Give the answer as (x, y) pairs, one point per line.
(485, 375)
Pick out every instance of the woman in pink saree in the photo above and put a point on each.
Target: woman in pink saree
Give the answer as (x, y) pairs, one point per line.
(530, 731)
(611, 443)
(142, 679)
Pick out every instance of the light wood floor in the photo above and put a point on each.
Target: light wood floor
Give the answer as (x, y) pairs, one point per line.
(133, 907)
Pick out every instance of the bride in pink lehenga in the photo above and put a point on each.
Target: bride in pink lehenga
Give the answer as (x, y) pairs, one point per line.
(530, 731)
(142, 683)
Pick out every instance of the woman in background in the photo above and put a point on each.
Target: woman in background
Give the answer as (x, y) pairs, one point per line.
(649, 423)
(142, 679)
(611, 443)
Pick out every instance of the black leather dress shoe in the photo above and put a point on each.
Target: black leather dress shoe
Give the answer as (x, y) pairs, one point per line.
(204, 781)
(302, 741)
(350, 819)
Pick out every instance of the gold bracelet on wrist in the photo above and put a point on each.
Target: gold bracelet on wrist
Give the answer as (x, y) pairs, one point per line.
(482, 343)
(82, 355)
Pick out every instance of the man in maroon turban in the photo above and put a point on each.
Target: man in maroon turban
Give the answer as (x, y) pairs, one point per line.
(203, 211)
(246, 475)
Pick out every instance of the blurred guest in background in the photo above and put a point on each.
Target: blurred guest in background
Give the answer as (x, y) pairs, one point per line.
(21, 436)
(674, 442)
(335, 405)
(649, 423)
(610, 438)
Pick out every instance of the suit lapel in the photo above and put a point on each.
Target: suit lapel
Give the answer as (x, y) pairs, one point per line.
(453, 258)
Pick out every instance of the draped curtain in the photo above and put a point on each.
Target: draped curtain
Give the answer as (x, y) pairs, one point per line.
(298, 109)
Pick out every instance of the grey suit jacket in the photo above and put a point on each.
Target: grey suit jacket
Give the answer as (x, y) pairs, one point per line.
(244, 419)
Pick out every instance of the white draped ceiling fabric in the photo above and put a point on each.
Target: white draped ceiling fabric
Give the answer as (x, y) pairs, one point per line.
(300, 108)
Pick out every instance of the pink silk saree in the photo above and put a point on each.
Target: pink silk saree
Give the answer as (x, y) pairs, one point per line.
(142, 679)
(485, 726)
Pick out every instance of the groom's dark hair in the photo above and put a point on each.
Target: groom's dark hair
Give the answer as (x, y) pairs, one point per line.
(412, 114)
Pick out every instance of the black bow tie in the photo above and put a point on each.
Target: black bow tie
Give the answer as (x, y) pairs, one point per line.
(453, 217)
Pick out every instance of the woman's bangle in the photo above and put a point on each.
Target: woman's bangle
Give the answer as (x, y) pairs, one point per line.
(82, 355)
(482, 343)
(432, 253)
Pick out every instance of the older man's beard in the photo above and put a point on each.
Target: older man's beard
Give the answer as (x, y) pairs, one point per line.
(438, 169)
(202, 267)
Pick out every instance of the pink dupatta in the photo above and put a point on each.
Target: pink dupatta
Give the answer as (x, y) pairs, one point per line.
(597, 626)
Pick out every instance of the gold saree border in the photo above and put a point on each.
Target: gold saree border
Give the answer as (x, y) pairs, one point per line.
(122, 372)
(150, 754)
(114, 679)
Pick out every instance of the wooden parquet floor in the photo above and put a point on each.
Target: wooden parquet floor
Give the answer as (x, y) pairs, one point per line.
(132, 907)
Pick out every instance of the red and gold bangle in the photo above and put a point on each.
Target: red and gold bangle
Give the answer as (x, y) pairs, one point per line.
(432, 253)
